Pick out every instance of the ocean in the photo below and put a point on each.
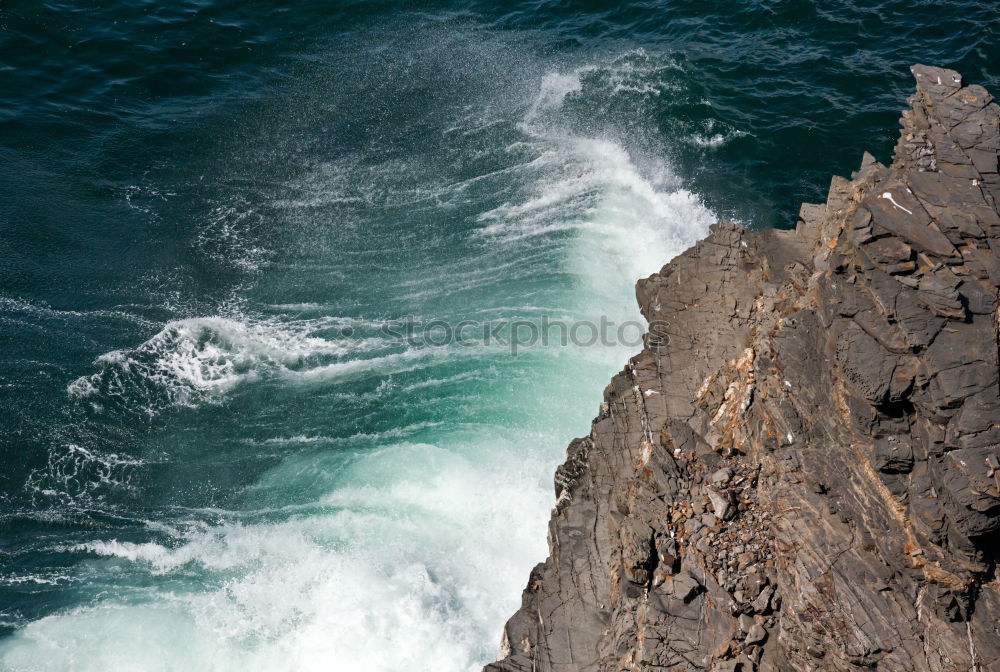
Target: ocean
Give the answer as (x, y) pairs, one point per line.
(301, 304)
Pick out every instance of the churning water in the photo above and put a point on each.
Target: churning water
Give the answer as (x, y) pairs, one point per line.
(216, 455)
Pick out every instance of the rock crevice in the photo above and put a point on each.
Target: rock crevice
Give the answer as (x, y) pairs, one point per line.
(801, 469)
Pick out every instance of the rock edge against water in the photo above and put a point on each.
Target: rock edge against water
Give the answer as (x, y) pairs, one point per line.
(800, 470)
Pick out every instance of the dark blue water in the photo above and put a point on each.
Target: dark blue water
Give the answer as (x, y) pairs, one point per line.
(214, 456)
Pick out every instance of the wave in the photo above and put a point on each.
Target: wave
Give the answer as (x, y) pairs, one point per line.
(628, 216)
(315, 590)
(403, 547)
(200, 359)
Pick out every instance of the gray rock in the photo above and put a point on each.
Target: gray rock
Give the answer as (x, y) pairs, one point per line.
(720, 503)
(895, 209)
(761, 604)
(721, 476)
(683, 586)
(756, 635)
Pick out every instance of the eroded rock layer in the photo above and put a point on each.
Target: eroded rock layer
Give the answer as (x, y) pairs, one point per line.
(800, 470)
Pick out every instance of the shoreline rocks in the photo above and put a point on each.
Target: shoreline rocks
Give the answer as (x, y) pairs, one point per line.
(801, 469)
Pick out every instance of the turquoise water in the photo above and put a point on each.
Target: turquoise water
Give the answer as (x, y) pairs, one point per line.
(217, 452)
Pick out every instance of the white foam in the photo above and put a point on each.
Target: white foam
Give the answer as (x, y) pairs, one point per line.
(552, 91)
(200, 359)
(715, 140)
(403, 571)
(627, 222)
(633, 72)
(77, 475)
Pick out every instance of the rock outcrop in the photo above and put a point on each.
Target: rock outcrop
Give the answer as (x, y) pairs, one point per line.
(800, 469)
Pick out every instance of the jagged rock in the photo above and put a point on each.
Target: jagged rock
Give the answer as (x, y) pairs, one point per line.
(760, 605)
(756, 635)
(683, 587)
(721, 476)
(801, 470)
(720, 503)
(895, 209)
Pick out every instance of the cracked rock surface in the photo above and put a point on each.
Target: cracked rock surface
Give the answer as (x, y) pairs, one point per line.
(800, 470)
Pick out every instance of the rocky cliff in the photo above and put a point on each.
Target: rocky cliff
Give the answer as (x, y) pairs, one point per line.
(800, 470)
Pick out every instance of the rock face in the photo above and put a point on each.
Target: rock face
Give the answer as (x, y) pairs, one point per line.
(800, 470)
